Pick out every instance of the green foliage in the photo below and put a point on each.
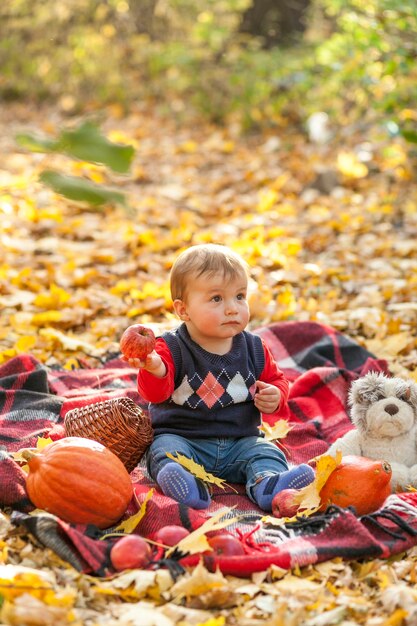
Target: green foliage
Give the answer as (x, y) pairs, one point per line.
(81, 190)
(369, 61)
(84, 142)
(357, 58)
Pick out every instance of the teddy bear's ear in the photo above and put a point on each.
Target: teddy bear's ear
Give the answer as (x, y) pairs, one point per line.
(412, 393)
(356, 395)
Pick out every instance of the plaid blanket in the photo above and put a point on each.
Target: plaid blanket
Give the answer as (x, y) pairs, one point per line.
(319, 361)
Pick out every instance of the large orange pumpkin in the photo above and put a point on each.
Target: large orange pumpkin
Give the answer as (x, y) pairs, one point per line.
(79, 480)
(357, 482)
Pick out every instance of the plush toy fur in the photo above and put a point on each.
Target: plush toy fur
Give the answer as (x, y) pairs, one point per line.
(384, 413)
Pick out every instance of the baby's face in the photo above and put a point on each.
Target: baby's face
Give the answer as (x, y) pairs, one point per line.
(216, 307)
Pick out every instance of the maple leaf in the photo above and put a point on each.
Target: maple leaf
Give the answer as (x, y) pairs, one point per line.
(201, 584)
(308, 498)
(197, 470)
(134, 584)
(196, 541)
(128, 525)
(279, 430)
(19, 455)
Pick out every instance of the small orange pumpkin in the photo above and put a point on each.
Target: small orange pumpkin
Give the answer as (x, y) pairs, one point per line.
(79, 480)
(357, 482)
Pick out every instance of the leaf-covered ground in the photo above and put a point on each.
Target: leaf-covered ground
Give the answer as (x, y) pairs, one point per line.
(329, 231)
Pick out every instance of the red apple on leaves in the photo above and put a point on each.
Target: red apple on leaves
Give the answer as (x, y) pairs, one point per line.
(170, 535)
(284, 504)
(137, 342)
(130, 552)
(225, 544)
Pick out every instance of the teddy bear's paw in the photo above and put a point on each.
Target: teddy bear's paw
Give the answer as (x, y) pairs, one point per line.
(413, 476)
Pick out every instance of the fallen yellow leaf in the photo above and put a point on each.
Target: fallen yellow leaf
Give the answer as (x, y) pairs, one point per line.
(197, 470)
(129, 525)
(196, 541)
(279, 430)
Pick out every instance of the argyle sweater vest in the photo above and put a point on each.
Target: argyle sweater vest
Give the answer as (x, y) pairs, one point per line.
(213, 395)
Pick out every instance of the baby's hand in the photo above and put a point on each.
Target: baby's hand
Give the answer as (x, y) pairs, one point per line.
(152, 364)
(267, 397)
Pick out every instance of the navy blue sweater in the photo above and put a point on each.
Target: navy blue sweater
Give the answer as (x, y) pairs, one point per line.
(213, 395)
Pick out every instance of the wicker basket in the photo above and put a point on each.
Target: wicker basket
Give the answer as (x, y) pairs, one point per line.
(119, 424)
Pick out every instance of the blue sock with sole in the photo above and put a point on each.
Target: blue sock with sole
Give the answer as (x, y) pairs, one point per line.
(177, 483)
(294, 478)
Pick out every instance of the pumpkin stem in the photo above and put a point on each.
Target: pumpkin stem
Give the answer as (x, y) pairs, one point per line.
(31, 456)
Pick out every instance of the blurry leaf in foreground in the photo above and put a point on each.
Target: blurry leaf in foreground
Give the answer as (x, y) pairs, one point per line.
(17, 579)
(84, 142)
(81, 190)
(53, 609)
(205, 586)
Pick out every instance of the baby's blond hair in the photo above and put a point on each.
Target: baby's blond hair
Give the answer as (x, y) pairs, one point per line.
(210, 259)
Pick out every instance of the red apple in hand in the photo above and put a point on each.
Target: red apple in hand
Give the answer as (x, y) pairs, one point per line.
(130, 552)
(137, 342)
(284, 504)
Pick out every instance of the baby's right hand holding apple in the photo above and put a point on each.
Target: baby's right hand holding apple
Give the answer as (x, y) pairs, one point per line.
(152, 364)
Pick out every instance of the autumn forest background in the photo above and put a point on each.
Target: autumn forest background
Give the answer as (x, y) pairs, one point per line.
(132, 129)
(286, 129)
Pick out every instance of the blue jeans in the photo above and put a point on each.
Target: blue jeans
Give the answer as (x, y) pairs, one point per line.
(244, 460)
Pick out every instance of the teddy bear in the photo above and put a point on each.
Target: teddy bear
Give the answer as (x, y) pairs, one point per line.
(383, 411)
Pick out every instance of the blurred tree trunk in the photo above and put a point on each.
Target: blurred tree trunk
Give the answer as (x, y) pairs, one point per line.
(276, 21)
(143, 12)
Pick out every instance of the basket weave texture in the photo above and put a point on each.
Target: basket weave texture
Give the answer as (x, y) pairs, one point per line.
(119, 424)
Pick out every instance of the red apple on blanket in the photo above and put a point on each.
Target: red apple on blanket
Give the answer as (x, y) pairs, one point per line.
(137, 342)
(225, 544)
(130, 552)
(284, 504)
(170, 535)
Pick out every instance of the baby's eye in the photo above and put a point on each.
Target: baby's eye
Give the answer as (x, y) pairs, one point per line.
(241, 296)
(216, 298)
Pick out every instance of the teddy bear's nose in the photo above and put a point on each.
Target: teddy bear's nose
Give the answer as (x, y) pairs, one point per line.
(391, 409)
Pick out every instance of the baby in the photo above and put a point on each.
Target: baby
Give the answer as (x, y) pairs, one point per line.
(208, 382)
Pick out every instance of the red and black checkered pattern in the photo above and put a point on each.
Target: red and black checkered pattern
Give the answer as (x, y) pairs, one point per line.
(320, 363)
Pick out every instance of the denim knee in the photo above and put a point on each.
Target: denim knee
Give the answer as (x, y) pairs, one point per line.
(156, 455)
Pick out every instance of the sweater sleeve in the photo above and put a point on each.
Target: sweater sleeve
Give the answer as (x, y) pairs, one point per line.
(154, 389)
(274, 376)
